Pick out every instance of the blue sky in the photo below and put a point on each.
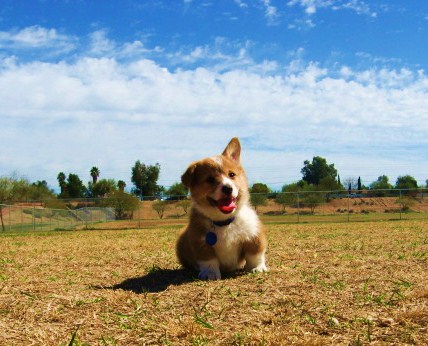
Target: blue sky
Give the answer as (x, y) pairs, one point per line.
(106, 83)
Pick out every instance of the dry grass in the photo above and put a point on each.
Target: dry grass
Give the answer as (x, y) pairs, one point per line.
(349, 284)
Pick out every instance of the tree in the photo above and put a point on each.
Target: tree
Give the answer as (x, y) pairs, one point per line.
(406, 182)
(62, 184)
(289, 195)
(259, 193)
(260, 188)
(121, 185)
(184, 204)
(5, 189)
(95, 173)
(316, 170)
(405, 202)
(20, 189)
(382, 183)
(284, 199)
(102, 188)
(359, 186)
(329, 184)
(178, 190)
(258, 200)
(350, 183)
(123, 204)
(312, 200)
(40, 191)
(145, 179)
(160, 207)
(75, 187)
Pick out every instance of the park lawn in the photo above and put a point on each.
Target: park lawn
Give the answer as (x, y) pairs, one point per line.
(334, 283)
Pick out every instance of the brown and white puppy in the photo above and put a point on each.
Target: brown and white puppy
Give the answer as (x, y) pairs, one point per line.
(224, 233)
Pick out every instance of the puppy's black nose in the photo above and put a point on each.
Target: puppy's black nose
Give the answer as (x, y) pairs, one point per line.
(227, 190)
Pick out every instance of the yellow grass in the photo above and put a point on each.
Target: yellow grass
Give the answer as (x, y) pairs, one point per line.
(334, 284)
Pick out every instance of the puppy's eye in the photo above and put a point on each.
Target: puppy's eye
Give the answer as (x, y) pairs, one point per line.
(210, 180)
(232, 175)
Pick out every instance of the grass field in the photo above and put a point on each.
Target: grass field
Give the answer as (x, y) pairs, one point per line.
(329, 284)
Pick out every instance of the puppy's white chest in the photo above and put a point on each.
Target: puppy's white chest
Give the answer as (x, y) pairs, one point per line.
(228, 249)
(231, 238)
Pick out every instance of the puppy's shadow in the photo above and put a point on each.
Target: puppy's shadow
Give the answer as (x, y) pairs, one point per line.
(157, 280)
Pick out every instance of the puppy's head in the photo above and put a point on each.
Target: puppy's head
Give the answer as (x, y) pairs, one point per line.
(218, 184)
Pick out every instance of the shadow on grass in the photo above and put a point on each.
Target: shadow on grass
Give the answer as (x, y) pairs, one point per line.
(157, 280)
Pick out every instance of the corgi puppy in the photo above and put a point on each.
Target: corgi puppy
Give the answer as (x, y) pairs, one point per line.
(224, 233)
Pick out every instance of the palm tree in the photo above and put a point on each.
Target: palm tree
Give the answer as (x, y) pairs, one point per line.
(62, 184)
(95, 173)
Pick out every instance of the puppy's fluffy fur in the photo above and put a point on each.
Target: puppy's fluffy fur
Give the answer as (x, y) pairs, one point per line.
(220, 205)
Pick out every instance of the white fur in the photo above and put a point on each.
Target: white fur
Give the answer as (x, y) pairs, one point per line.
(230, 239)
(225, 182)
(209, 270)
(217, 159)
(255, 263)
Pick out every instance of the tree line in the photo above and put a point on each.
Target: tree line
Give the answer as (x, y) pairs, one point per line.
(317, 175)
(144, 178)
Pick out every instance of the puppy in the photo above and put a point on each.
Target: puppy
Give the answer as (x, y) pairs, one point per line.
(224, 233)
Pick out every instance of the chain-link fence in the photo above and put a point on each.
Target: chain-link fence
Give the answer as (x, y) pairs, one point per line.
(36, 217)
(343, 206)
(292, 207)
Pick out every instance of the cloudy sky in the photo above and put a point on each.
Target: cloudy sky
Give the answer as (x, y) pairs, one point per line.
(106, 83)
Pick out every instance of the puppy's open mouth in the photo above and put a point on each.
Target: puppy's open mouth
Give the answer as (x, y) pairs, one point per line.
(225, 205)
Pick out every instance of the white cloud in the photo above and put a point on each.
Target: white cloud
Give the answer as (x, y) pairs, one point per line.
(312, 6)
(36, 37)
(98, 111)
(101, 109)
(359, 7)
(241, 3)
(271, 12)
(100, 44)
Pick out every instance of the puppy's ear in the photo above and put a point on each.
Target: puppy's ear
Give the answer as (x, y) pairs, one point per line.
(186, 178)
(233, 150)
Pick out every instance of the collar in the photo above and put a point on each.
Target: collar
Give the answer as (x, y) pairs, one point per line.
(224, 223)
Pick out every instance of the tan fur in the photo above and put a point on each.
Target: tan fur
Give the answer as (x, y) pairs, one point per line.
(240, 245)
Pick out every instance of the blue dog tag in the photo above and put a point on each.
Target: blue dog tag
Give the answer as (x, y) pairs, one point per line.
(211, 238)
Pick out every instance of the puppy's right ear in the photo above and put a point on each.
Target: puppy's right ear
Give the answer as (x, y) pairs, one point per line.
(186, 178)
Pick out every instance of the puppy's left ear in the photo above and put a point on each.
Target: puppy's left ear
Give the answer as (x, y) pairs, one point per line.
(186, 178)
(233, 150)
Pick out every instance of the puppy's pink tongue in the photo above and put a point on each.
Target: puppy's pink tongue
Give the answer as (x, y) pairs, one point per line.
(226, 205)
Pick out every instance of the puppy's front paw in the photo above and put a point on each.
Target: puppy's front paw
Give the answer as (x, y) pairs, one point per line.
(256, 263)
(261, 268)
(209, 270)
(209, 274)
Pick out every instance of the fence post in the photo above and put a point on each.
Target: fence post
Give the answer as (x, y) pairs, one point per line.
(348, 206)
(139, 213)
(34, 217)
(401, 204)
(298, 208)
(86, 213)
